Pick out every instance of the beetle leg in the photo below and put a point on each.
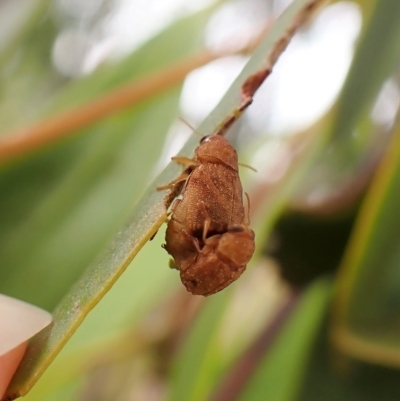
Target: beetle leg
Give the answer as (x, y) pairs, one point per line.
(194, 240)
(196, 244)
(182, 177)
(207, 220)
(184, 160)
(247, 216)
(175, 205)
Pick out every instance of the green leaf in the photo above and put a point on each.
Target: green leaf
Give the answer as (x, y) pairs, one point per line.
(199, 364)
(363, 83)
(329, 377)
(366, 300)
(27, 74)
(367, 294)
(111, 328)
(281, 371)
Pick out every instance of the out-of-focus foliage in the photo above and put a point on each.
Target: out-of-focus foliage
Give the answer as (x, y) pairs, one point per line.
(60, 207)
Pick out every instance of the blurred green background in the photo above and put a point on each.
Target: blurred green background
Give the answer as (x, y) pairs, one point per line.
(316, 315)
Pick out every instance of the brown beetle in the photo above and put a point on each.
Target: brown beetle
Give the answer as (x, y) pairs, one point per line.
(208, 234)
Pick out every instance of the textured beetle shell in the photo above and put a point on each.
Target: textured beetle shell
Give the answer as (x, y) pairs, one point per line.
(222, 261)
(216, 183)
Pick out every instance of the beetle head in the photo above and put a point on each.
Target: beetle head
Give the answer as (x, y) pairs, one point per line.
(217, 149)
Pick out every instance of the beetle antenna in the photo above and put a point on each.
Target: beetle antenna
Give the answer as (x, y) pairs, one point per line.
(191, 127)
(247, 166)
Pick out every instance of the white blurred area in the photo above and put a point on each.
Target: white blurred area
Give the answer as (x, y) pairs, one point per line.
(311, 72)
(98, 30)
(305, 81)
(13, 14)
